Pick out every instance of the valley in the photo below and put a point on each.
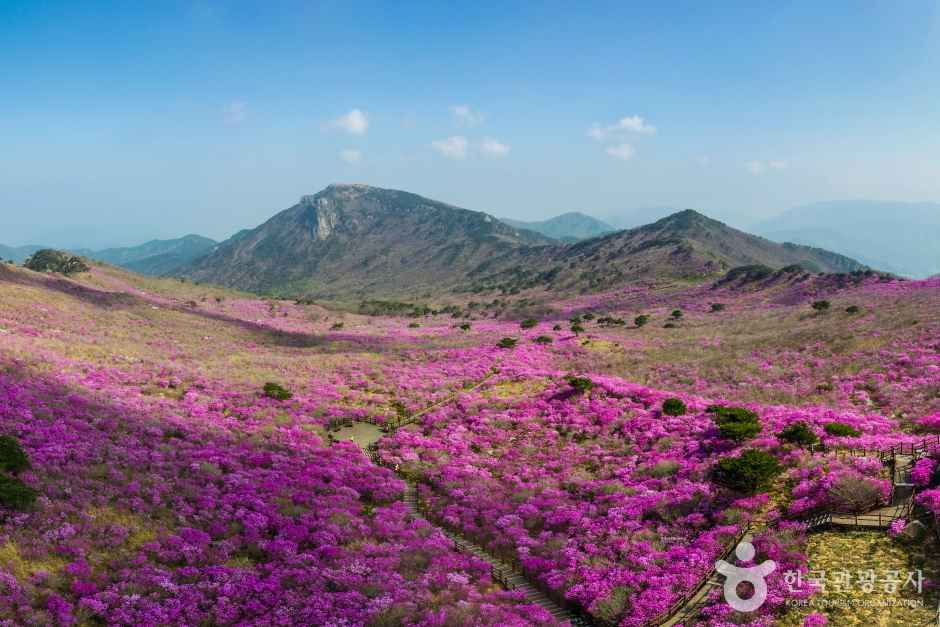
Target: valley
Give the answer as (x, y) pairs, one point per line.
(545, 444)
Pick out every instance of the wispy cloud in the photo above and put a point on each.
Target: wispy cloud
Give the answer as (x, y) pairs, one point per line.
(467, 116)
(624, 152)
(629, 124)
(494, 148)
(235, 112)
(350, 156)
(355, 123)
(758, 167)
(453, 147)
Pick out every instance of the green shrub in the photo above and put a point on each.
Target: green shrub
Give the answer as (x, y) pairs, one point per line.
(664, 468)
(413, 325)
(337, 326)
(528, 323)
(840, 429)
(575, 319)
(276, 391)
(852, 309)
(588, 316)
(577, 328)
(735, 423)
(676, 313)
(543, 339)
(798, 433)
(580, 384)
(557, 327)
(49, 260)
(465, 326)
(14, 494)
(641, 320)
(13, 458)
(507, 342)
(718, 307)
(751, 471)
(674, 407)
(821, 305)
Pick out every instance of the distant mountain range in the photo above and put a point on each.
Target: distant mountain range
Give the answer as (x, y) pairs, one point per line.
(156, 257)
(894, 236)
(567, 227)
(18, 253)
(355, 241)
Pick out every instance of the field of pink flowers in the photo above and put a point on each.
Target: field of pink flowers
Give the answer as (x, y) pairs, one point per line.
(171, 490)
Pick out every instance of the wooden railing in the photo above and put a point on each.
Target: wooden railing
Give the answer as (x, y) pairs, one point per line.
(912, 449)
(886, 455)
(504, 573)
(667, 614)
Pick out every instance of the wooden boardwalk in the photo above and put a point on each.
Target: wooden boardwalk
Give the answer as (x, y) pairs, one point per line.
(502, 572)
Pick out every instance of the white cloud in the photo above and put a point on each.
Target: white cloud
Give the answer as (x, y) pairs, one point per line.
(453, 147)
(350, 156)
(756, 167)
(760, 167)
(467, 116)
(493, 147)
(355, 123)
(623, 152)
(631, 124)
(235, 112)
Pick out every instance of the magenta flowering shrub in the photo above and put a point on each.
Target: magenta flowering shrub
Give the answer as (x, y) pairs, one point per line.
(930, 423)
(922, 472)
(852, 485)
(141, 521)
(172, 492)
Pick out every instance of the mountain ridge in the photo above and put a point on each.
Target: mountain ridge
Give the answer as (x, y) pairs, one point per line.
(355, 241)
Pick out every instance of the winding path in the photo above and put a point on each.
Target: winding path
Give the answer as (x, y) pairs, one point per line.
(502, 572)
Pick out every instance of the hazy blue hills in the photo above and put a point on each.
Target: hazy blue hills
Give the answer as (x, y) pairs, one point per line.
(899, 237)
(156, 257)
(567, 227)
(18, 253)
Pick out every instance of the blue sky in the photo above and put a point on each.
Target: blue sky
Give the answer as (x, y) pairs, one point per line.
(122, 121)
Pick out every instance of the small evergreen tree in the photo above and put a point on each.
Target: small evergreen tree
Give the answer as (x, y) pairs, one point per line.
(641, 320)
(735, 423)
(798, 433)
(676, 314)
(507, 342)
(821, 305)
(13, 458)
(528, 323)
(674, 407)
(840, 429)
(580, 384)
(14, 494)
(276, 391)
(751, 471)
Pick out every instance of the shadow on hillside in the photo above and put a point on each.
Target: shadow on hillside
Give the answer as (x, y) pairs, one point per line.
(264, 335)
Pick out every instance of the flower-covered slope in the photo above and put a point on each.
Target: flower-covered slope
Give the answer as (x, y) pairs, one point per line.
(170, 486)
